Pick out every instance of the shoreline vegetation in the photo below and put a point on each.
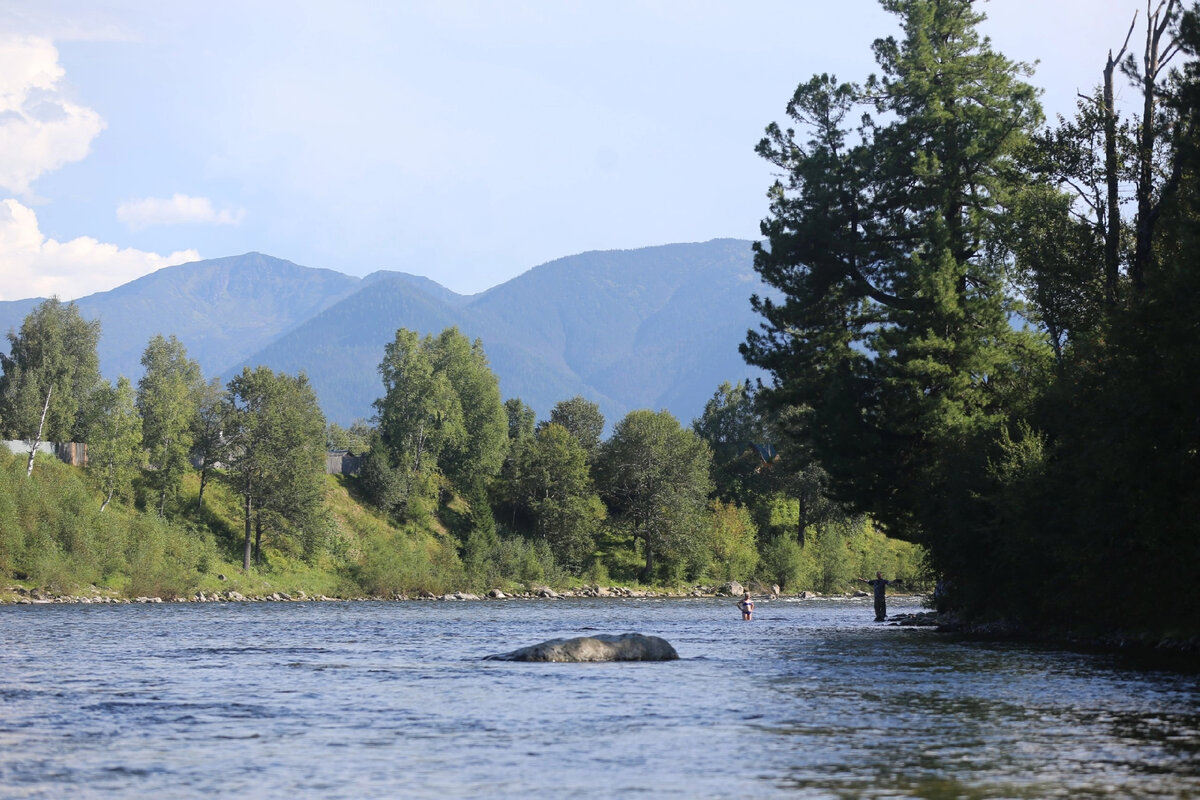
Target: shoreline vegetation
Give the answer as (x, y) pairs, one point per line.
(20, 595)
(56, 545)
(982, 362)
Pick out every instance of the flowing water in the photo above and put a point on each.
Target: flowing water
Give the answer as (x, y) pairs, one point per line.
(364, 700)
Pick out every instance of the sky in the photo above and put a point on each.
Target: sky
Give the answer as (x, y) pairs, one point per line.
(463, 140)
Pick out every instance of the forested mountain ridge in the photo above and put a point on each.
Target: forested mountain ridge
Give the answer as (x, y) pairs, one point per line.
(654, 328)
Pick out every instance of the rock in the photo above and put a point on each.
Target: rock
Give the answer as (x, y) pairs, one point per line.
(602, 647)
(775, 590)
(232, 595)
(808, 595)
(496, 594)
(544, 591)
(733, 588)
(921, 619)
(861, 594)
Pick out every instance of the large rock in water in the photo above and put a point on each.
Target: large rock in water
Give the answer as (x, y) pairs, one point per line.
(603, 647)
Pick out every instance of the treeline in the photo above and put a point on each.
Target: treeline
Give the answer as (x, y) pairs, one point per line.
(262, 433)
(988, 330)
(468, 491)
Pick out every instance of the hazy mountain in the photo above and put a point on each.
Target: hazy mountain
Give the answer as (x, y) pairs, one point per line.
(651, 328)
(222, 310)
(12, 314)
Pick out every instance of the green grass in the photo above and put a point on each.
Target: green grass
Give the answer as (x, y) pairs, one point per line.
(54, 537)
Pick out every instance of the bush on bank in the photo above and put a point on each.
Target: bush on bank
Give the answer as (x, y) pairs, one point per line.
(54, 536)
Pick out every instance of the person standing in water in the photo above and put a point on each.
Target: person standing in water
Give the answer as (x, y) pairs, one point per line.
(747, 606)
(880, 587)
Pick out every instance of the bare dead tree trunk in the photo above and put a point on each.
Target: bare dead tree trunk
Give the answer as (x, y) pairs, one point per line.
(41, 425)
(1112, 231)
(1154, 60)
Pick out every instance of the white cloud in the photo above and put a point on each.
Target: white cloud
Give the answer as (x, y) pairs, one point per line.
(179, 208)
(33, 266)
(41, 128)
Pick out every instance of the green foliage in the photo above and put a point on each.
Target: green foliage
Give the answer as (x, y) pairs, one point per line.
(475, 456)
(168, 400)
(654, 476)
(49, 375)
(53, 535)
(407, 564)
(1042, 466)
(732, 427)
(505, 560)
(582, 419)
(893, 350)
(441, 427)
(115, 455)
(784, 563)
(837, 554)
(553, 489)
(521, 420)
(356, 438)
(276, 437)
(209, 444)
(731, 543)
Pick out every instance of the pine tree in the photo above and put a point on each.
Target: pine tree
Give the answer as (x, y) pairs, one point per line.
(891, 351)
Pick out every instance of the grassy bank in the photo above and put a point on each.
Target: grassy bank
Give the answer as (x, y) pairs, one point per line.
(55, 539)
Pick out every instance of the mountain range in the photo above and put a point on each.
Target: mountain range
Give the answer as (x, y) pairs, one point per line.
(656, 327)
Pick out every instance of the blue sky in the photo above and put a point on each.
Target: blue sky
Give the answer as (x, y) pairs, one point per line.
(464, 141)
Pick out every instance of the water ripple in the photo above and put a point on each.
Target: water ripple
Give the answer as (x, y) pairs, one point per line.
(392, 699)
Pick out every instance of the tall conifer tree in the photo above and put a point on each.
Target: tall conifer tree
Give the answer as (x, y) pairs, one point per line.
(892, 340)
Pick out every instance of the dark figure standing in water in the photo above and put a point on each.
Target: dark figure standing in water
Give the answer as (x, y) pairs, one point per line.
(880, 587)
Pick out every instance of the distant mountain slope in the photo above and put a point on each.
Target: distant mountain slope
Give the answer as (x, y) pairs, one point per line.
(636, 326)
(341, 347)
(222, 310)
(12, 314)
(652, 328)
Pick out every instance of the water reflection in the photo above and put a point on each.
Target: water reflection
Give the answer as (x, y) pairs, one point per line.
(374, 699)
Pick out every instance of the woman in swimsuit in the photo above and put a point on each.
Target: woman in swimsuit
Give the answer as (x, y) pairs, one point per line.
(747, 606)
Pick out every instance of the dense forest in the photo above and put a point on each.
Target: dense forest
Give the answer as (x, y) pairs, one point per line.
(982, 342)
(988, 336)
(187, 480)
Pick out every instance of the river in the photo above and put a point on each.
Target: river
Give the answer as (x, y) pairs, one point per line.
(370, 699)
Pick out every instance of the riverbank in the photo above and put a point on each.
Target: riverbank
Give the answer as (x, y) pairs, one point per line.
(21, 595)
(1183, 645)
